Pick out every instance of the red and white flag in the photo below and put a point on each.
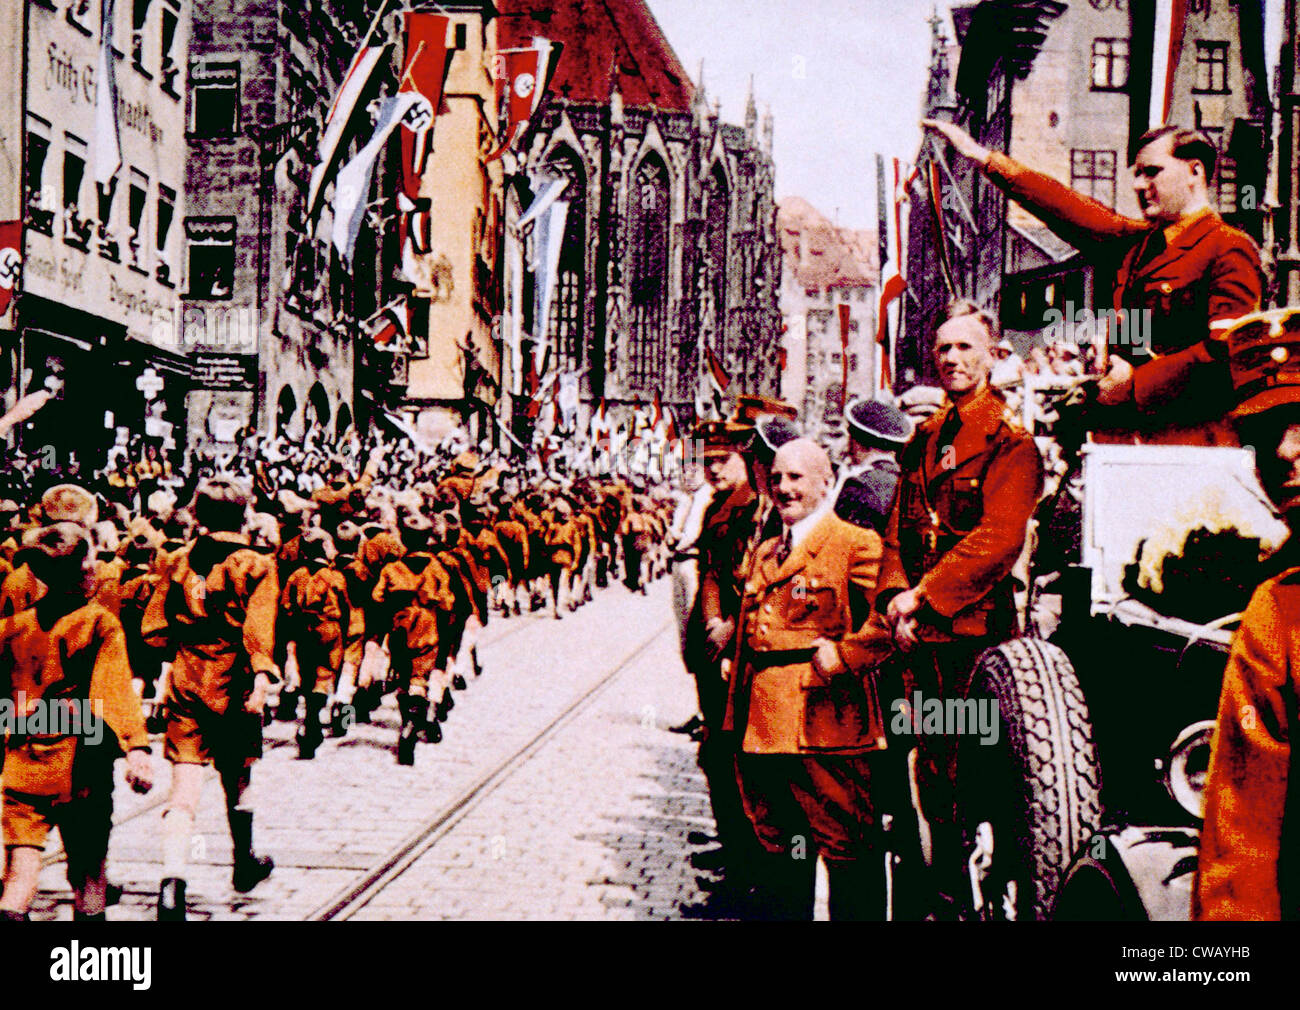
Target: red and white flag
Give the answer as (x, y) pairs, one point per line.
(893, 283)
(394, 326)
(427, 60)
(845, 312)
(342, 121)
(11, 261)
(1167, 50)
(522, 79)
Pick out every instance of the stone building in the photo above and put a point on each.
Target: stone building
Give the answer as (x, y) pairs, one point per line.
(277, 313)
(670, 242)
(823, 267)
(1064, 88)
(97, 177)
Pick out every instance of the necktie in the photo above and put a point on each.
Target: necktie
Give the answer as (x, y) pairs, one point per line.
(784, 548)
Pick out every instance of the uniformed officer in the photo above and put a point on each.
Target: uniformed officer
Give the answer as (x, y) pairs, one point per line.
(1181, 265)
(803, 698)
(971, 477)
(877, 433)
(1247, 852)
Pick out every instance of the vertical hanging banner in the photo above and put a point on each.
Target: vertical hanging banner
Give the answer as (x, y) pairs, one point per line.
(343, 121)
(893, 284)
(425, 73)
(108, 147)
(352, 187)
(1171, 23)
(11, 262)
(523, 77)
(844, 311)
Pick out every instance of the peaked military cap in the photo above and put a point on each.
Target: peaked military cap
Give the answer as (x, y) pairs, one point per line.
(1264, 360)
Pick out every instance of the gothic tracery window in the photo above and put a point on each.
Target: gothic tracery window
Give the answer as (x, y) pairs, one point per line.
(649, 276)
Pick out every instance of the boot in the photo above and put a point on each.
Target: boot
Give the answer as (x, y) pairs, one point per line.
(249, 870)
(362, 703)
(339, 719)
(458, 682)
(429, 728)
(310, 733)
(473, 658)
(410, 731)
(446, 704)
(171, 900)
(287, 710)
(157, 720)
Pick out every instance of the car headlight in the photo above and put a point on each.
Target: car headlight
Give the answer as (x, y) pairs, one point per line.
(1186, 767)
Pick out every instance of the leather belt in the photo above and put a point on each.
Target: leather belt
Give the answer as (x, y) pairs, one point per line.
(780, 657)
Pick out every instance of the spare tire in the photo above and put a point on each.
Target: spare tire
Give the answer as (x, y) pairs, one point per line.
(1037, 785)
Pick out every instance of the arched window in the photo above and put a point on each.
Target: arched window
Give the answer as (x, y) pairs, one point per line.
(716, 243)
(649, 275)
(286, 407)
(318, 408)
(568, 301)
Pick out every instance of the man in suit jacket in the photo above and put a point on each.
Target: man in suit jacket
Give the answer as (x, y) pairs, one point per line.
(803, 699)
(1181, 263)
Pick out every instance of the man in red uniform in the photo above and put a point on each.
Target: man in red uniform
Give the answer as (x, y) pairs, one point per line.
(1181, 263)
(1247, 859)
(971, 477)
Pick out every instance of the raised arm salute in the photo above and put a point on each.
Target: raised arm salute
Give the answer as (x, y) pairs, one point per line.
(1180, 263)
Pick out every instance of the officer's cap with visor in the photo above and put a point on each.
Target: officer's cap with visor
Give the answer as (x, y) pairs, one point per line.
(878, 425)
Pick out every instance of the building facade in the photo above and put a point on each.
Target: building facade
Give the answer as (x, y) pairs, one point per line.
(824, 267)
(669, 248)
(1064, 88)
(276, 311)
(97, 179)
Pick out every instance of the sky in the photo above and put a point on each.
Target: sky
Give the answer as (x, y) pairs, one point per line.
(844, 80)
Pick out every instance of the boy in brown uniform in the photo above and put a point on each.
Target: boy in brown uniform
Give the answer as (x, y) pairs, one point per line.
(214, 611)
(411, 591)
(315, 616)
(65, 655)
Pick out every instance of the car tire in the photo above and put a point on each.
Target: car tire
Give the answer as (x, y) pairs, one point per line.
(1038, 785)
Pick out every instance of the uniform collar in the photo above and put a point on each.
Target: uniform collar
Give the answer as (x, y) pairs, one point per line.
(800, 530)
(1185, 227)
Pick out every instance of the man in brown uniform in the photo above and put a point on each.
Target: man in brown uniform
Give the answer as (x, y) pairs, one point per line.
(803, 697)
(64, 660)
(1181, 264)
(971, 477)
(214, 611)
(1247, 865)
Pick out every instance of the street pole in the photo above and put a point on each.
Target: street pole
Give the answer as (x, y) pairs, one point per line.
(1288, 260)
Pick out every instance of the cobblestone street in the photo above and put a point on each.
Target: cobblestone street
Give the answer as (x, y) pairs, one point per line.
(557, 793)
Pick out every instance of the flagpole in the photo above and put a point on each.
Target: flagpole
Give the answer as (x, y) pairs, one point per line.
(365, 41)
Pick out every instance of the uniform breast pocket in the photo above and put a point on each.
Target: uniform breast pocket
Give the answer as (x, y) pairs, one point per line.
(810, 604)
(967, 502)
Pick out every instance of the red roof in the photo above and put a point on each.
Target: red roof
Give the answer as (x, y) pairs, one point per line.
(602, 39)
(820, 254)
